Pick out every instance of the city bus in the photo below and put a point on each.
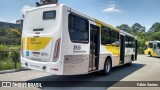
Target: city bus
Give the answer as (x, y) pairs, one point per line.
(152, 48)
(60, 40)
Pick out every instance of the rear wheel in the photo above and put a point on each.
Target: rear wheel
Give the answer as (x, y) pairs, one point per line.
(107, 67)
(150, 54)
(130, 63)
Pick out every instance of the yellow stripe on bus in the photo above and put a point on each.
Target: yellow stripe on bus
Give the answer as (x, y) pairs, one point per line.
(37, 43)
(113, 49)
(146, 52)
(102, 23)
(22, 43)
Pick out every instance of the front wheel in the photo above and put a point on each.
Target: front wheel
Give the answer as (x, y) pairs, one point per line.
(150, 54)
(107, 67)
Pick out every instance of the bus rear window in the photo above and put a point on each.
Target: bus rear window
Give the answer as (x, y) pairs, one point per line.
(49, 15)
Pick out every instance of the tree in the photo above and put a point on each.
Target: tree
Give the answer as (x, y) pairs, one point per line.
(3, 52)
(2, 32)
(124, 27)
(155, 27)
(138, 28)
(13, 33)
(155, 36)
(10, 36)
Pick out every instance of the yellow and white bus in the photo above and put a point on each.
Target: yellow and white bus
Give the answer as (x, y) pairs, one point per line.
(61, 40)
(152, 48)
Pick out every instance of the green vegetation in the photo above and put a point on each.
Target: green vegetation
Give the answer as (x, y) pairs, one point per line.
(8, 64)
(139, 31)
(3, 52)
(10, 40)
(9, 59)
(10, 36)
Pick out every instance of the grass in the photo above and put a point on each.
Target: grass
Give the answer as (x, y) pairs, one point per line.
(8, 64)
(14, 46)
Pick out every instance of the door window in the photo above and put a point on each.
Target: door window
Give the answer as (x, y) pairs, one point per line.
(154, 46)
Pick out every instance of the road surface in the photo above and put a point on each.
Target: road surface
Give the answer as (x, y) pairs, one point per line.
(144, 69)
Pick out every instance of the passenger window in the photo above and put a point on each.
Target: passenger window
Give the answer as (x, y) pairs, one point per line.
(158, 45)
(126, 41)
(115, 38)
(78, 29)
(105, 35)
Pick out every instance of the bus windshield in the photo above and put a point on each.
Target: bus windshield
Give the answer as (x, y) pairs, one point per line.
(150, 45)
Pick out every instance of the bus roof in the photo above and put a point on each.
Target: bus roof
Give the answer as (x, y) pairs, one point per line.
(102, 23)
(45, 6)
(86, 16)
(116, 29)
(156, 41)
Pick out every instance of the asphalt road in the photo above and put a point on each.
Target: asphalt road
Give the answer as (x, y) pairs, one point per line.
(144, 69)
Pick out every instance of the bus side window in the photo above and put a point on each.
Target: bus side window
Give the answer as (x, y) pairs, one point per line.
(133, 43)
(105, 35)
(115, 38)
(158, 45)
(126, 41)
(78, 29)
(129, 40)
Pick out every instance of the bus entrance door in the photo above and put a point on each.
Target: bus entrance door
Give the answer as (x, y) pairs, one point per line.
(155, 47)
(94, 47)
(122, 49)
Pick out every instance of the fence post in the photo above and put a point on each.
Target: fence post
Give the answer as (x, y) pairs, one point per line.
(15, 61)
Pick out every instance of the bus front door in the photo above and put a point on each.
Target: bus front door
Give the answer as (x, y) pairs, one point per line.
(155, 47)
(94, 47)
(122, 49)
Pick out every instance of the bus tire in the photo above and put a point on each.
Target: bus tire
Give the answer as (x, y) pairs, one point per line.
(130, 63)
(150, 54)
(107, 67)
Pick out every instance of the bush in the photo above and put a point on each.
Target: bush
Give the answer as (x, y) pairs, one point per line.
(11, 62)
(3, 52)
(6, 65)
(141, 50)
(15, 56)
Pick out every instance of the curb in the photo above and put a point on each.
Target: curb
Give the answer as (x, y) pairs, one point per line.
(13, 70)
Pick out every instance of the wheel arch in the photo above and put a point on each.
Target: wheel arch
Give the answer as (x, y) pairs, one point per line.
(110, 58)
(149, 52)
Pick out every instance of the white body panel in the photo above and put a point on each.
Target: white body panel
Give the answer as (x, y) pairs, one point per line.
(69, 61)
